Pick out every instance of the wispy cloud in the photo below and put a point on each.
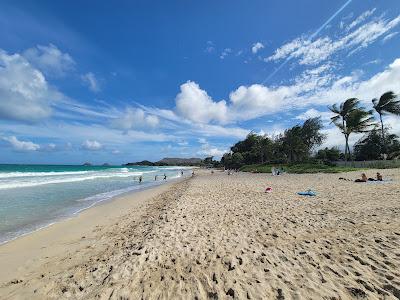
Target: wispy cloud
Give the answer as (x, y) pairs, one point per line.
(390, 36)
(309, 52)
(90, 80)
(210, 47)
(361, 18)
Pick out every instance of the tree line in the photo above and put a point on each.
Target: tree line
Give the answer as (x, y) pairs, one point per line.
(297, 144)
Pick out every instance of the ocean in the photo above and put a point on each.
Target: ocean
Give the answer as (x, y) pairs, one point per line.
(34, 196)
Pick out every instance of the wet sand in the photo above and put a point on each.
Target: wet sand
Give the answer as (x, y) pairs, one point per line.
(221, 237)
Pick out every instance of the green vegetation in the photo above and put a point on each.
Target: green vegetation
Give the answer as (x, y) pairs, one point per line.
(298, 168)
(295, 147)
(350, 118)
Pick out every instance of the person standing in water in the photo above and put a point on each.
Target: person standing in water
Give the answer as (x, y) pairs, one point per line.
(181, 172)
(165, 177)
(155, 178)
(140, 179)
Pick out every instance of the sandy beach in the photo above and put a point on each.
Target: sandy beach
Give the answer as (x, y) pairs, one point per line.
(216, 236)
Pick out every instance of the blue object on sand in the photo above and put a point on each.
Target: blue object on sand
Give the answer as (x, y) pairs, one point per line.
(307, 193)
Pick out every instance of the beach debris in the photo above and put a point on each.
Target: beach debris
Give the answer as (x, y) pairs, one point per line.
(231, 293)
(309, 192)
(268, 190)
(16, 281)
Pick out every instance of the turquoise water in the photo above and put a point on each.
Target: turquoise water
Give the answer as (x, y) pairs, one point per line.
(33, 196)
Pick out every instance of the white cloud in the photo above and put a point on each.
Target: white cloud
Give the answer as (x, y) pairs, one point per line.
(210, 47)
(134, 118)
(390, 36)
(216, 130)
(256, 47)
(196, 105)
(91, 145)
(248, 102)
(50, 60)
(225, 52)
(25, 94)
(22, 146)
(361, 18)
(115, 152)
(208, 150)
(89, 79)
(334, 138)
(313, 52)
(183, 143)
(313, 88)
(313, 113)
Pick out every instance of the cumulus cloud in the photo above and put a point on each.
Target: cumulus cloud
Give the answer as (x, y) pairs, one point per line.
(135, 118)
(50, 60)
(92, 145)
(196, 105)
(89, 79)
(310, 52)
(23, 146)
(314, 87)
(248, 102)
(256, 47)
(25, 94)
(208, 150)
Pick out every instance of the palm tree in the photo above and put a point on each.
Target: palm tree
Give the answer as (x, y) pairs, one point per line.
(387, 104)
(341, 114)
(359, 121)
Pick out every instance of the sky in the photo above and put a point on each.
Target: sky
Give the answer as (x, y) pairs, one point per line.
(116, 82)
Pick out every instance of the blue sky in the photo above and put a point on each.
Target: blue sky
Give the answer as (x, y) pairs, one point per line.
(105, 82)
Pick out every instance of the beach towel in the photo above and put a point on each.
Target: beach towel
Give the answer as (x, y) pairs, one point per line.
(307, 193)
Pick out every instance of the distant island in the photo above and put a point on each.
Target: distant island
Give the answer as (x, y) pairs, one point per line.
(168, 161)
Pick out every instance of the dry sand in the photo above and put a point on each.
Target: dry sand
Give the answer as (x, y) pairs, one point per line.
(220, 237)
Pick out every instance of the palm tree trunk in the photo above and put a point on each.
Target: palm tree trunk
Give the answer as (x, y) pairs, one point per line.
(346, 139)
(348, 148)
(383, 137)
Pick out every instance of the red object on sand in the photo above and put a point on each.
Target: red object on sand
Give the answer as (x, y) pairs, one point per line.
(268, 190)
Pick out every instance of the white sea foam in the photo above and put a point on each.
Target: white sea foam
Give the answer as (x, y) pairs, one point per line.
(10, 184)
(40, 174)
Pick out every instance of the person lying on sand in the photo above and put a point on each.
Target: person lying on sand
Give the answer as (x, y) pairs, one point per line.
(364, 178)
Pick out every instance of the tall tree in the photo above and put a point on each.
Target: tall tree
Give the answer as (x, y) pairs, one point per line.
(298, 141)
(358, 121)
(387, 104)
(369, 147)
(340, 119)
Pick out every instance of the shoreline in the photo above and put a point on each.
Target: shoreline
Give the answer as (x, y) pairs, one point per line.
(216, 236)
(99, 214)
(125, 191)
